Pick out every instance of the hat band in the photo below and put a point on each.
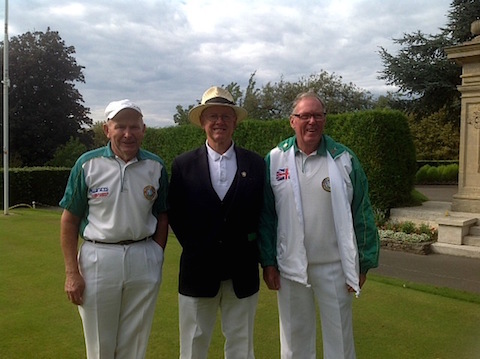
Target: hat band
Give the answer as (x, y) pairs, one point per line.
(219, 100)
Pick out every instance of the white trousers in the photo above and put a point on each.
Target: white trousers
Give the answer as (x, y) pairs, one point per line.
(121, 289)
(296, 304)
(197, 318)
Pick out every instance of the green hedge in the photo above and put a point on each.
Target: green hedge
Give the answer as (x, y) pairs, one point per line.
(381, 139)
(446, 174)
(44, 185)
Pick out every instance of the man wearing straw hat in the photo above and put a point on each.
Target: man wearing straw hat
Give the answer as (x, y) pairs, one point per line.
(215, 199)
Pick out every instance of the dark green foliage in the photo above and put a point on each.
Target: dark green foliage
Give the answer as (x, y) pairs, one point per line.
(257, 136)
(45, 108)
(262, 136)
(436, 137)
(171, 141)
(421, 69)
(437, 174)
(380, 138)
(408, 227)
(44, 185)
(66, 155)
(382, 141)
(274, 100)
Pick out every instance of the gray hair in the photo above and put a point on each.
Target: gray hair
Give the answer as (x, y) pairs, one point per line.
(308, 94)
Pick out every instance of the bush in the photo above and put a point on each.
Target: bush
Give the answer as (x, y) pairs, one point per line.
(446, 174)
(407, 231)
(407, 227)
(44, 185)
(381, 139)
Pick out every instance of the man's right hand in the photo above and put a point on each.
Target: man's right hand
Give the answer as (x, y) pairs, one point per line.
(271, 276)
(74, 287)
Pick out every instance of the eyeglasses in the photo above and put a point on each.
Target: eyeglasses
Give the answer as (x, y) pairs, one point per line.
(308, 116)
(214, 117)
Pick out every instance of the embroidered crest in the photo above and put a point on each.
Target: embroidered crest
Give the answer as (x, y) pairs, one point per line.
(326, 184)
(150, 193)
(282, 174)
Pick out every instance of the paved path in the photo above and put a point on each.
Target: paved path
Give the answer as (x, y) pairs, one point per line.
(439, 270)
(442, 193)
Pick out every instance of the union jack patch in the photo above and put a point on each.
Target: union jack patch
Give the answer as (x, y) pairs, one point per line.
(282, 174)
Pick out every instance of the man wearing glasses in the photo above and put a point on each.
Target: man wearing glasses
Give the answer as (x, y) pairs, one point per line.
(318, 237)
(215, 199)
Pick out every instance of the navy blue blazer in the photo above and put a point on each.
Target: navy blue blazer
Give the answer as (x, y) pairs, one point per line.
(218, 238)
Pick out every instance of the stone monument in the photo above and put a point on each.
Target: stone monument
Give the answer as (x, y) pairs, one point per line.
(467, 55)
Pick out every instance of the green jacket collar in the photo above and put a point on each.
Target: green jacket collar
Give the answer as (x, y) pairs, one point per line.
(326, 144)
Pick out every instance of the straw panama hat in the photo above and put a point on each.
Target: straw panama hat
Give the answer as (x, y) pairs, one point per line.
(115, 107)
(215, 96)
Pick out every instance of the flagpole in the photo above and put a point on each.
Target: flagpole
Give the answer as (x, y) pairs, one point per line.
(6, 85)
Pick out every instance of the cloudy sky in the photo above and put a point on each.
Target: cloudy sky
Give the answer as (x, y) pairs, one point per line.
(164, 53)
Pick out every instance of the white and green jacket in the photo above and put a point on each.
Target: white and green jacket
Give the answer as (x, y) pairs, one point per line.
(281, 229)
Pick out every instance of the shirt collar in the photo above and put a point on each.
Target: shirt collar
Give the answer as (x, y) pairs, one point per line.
(321, 150)
(216, 156)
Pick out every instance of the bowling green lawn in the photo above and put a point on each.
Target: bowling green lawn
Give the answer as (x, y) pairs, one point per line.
(392, 318)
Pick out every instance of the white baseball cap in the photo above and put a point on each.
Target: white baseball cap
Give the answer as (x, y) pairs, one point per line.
(115, 107)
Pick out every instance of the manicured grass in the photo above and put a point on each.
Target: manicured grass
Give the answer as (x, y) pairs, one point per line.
(392, 319)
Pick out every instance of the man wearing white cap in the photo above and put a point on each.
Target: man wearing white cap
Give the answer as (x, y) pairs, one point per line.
(215, 199)
(115, 199)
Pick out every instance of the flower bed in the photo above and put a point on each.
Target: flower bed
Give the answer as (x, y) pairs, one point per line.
(418, 243)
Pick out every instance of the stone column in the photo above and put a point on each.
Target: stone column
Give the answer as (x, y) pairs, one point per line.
(467, 55)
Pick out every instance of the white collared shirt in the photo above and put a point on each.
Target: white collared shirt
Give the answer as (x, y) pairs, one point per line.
(222, 169)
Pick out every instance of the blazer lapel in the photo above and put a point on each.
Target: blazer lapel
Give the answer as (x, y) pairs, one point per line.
(204, 172)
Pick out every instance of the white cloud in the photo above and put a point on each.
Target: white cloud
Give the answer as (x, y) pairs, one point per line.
(166, 53)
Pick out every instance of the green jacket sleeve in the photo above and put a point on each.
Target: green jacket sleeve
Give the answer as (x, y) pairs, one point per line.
(368, 240)
(268, 224)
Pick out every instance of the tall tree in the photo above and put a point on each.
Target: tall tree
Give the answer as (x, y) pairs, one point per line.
(181, 117)
(45, 108)
(460, 17)
(421, 69)
(274, 100)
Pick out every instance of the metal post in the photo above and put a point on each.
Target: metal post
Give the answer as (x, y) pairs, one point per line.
(6, 85)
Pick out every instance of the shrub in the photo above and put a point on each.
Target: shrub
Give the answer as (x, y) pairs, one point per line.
(428, 174)
(381, 139)
(407, 227)
(408, 231)
(383, 143)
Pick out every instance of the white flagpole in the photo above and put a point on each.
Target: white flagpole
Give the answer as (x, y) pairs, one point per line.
(6, 85)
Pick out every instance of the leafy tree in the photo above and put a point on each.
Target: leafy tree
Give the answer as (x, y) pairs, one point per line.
(235, 91)
(460, 17)
(99, 138)
(273, 101)
(181, 117)
(251, 101)
(421, 69)
(45, 108)
(66, 155)
(435, 137)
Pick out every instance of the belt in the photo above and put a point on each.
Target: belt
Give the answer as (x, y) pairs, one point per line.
(121, 243)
